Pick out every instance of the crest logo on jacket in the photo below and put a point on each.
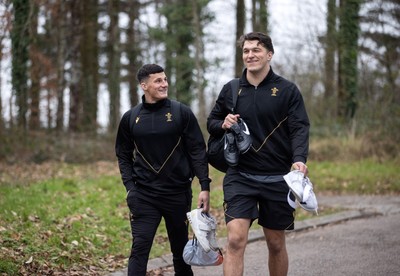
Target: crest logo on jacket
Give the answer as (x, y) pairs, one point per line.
(274, 91)
(169, 117)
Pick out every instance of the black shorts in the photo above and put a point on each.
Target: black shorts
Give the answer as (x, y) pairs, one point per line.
(269, 200)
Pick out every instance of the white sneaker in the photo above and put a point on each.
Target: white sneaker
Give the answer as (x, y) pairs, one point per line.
(201, 226)
(302, 189)
(309, 202)
(212, 233)
(294, 180)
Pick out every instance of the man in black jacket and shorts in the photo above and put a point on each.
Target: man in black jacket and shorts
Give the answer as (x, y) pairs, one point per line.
(271, 108)
(160, 148)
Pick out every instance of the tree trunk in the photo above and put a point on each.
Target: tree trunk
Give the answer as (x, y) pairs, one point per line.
(88, 58)
(240, 26)
(61, 58)
(114, 66)
(89, 61)
(330, 50)
(19, 71)
(133, 51)
(34, 121)
(259, 19)
(75, 88)
(349, 30)
(1, 90)
(199, 81)
(178, 39)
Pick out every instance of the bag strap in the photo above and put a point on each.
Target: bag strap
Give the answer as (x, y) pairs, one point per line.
(176, 111)
(234, 88)
(135, 112)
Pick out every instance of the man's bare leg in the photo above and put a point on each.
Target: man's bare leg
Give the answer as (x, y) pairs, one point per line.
(238, 230)
(278, 261)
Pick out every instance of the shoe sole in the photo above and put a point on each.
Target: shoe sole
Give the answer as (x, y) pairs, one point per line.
(234, 161)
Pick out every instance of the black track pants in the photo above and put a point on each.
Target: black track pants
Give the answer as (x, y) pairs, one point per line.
(146, 213)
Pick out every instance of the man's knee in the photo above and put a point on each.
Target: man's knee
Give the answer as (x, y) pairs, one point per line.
(236, 242)
(238, 234)
(275, 241)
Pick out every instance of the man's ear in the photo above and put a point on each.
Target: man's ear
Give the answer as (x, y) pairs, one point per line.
(270, 54)
(143, 85)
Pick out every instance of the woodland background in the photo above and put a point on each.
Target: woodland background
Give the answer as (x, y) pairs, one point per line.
(64, 56)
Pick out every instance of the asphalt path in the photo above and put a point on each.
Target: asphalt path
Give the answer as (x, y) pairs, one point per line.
(368, 246)
(363, 240)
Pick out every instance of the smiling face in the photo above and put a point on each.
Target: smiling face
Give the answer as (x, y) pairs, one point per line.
(256, 57)
(155, 87)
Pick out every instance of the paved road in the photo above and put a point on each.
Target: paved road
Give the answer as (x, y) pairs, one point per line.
(364, 240)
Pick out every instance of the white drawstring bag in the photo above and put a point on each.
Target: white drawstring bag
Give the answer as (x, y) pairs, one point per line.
(194, 254)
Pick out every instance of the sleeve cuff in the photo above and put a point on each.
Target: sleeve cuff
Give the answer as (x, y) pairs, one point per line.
(299, 159)
(205, 186)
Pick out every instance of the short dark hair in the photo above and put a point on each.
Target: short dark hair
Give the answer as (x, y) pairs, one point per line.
(146, 70)
(263, 39)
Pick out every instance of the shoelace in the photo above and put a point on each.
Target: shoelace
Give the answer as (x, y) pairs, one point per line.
(238, 133)
(232, 148)
(240, 137)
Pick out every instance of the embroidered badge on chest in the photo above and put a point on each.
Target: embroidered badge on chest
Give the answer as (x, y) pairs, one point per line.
(274, 91)
(169, 117)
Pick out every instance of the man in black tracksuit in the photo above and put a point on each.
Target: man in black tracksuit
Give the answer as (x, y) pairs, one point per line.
(160, 148)
(274, 111)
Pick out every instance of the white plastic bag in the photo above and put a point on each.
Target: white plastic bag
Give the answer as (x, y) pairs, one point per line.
(194, 254)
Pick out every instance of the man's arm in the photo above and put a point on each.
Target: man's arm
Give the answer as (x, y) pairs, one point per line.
(124, 147)
(299, 126)
(196, 149)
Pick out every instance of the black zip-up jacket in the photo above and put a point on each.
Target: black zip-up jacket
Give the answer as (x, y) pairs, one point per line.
(275, 114)
(157, 154)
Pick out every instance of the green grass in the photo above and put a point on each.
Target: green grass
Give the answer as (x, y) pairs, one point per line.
(70, 224)
(62, 222)
(362, 177)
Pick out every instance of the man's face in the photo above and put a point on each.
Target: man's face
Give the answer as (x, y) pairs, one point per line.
(255, 56)
(155, 87)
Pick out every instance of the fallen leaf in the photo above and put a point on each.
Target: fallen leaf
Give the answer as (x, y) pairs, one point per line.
(76, 243)
(33, 218)
(30, 260)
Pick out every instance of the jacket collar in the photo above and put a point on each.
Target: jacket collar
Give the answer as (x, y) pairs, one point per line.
(156, 105)
(243, 80)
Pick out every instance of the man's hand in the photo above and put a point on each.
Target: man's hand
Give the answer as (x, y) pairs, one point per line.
(204, 201)
(230, 119)
(301, 167)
